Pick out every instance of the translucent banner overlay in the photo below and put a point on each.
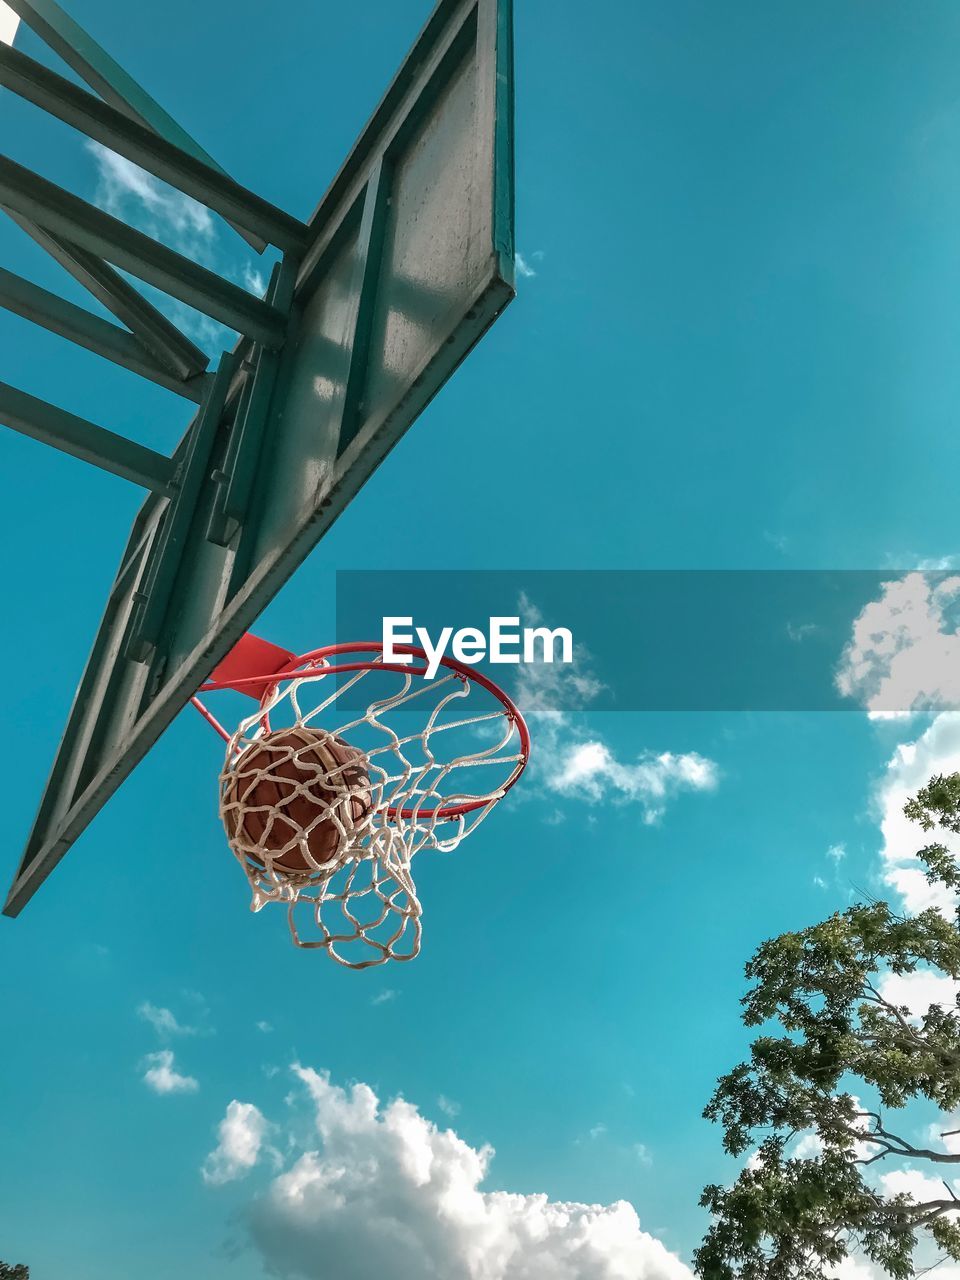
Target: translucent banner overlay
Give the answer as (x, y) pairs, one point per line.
(690, 640)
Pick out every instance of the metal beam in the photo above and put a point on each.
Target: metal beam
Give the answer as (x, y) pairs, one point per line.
(166, 553)
(82, 439)
(107, 78)
(151, 151)
(65, 214)
(159, 335)
(366, 285)
(87, 330)
(239, 465)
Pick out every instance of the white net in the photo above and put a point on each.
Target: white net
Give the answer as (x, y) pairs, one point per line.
(335, 783)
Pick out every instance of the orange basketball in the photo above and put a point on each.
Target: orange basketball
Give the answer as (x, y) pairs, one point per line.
(299, 775)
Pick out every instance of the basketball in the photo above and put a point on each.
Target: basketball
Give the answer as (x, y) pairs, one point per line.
(288, 780)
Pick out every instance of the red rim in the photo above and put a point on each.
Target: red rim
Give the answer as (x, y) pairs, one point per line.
(320, 657)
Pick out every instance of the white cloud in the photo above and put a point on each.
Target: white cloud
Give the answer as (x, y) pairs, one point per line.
(163, 1021)
(448, 1106)
(264, 1026)
(837, 852)
(162, 1076)
(904, 654)
(387, 1193)
(855, 1268)
(9, 21)
(384, 997)
(912, 1182)
(576, 765)
(589, 770)
(919, 990)
(253, 280)
(945, 1134)
(524, 268)
(136, 197)
(124, 189)
(241, 1135)
(936, 750)
(808, 1147)
(924, 563)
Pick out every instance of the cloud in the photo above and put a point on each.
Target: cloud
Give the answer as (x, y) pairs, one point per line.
(448, 1107)
(9, 21)
(525, 269)
(253, 280)
(163, 1021)
(590, 771)
(912, 1182)
(241, 1135)
(265, 1027)
(945, 1134)
(799, 631)
(857, 1268)
(387, 1193)
(924, 563)
(575, 764)
(807, 1147)
(904, 654)
(919, 990)
(383, 997)
(138, 198)
(162, 1076)
(936, 750)
(129, 192)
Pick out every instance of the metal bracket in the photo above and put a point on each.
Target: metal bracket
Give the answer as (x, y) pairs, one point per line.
(153, 596)
(235, 480)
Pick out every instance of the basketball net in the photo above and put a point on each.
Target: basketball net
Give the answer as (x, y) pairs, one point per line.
(400, 790)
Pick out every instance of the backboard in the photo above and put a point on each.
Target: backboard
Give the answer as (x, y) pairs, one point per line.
(407, 261)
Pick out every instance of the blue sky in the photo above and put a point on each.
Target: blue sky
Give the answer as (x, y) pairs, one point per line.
(733, 347)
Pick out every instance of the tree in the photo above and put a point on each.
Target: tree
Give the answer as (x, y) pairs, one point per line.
(15, 1272)
(813, 1104)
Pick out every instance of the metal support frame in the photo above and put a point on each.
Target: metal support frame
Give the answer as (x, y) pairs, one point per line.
(372, 224)
(85, 241)
(154, 597)
(65, 214)
(83, 439)
(150, 150)
(236, 479)
(107, 78)
(161, 338)
(51, 312)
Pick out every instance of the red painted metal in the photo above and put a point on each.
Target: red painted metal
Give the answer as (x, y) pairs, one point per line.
(251, 666)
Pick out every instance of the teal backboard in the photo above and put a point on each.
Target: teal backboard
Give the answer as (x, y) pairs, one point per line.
(407, 261)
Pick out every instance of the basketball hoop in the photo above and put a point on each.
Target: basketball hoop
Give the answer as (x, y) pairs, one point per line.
(348, 767)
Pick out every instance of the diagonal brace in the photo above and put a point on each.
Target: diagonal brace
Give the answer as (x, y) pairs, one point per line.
(26, 299)
(65, 214)
(151, 151)
(50, 425)
(159, 335)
